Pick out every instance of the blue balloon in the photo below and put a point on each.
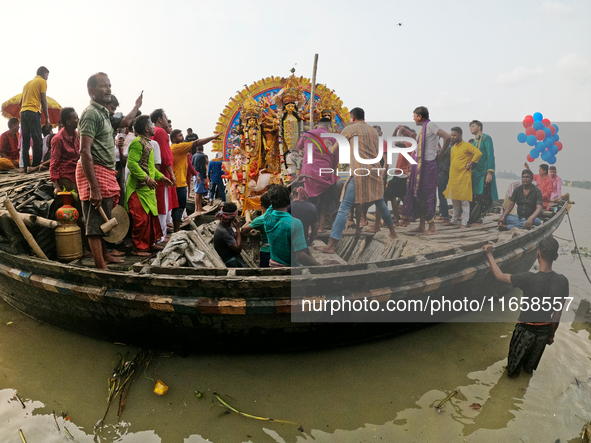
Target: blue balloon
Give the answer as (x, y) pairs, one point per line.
(521, 137)
(546, 155)
(538, 117)
(556, 138)
(531, 140)
(548, 141)
(540, 146)
(548, 132)
(551, 160)
(534, 153)
(538, 126)
(553, 149)
(556, 127)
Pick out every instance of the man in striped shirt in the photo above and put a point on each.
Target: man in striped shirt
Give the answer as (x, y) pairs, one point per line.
(366, 182)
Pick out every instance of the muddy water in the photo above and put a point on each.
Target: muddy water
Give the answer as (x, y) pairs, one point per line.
(379, 391)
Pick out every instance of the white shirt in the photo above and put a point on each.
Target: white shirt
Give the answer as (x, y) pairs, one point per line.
(431, 141)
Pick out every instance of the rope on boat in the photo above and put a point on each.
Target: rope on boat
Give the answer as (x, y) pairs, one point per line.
(577, 247)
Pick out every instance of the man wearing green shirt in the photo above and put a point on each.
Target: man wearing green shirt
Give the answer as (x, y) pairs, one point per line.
(484, 184)
(285, 233)
(140, 195)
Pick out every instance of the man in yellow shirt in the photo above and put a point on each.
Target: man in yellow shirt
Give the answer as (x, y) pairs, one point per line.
(459, 186)
(180, 150)
(33, 101)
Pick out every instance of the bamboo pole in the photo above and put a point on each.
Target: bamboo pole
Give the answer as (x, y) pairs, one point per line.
(313, 92)
(30, 220)
(28, 237)
(208, 250)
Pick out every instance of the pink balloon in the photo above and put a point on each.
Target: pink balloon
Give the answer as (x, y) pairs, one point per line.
(530, 131)
(552, 130)
(546, 122)
(528, 121)
(540, 134)
(529, 159)
(559, 145)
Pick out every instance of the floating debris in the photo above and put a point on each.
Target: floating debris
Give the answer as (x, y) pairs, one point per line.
(198, 394)
(120, 382)
(68, 432)
(19, 399)
(248, 415)
(160, 388)
(55, 420)
(446, 399)
(586, 433)
(476, 406)
(20, 432)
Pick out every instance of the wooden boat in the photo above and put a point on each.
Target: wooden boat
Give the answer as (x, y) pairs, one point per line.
(244, 309)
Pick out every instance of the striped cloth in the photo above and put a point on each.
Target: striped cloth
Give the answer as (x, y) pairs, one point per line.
(107, 181)
(371, 187)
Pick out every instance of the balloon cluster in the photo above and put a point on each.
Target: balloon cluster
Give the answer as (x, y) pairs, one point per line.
(542, 136)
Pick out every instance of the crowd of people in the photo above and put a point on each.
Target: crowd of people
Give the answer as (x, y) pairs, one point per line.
(140, 161)
(107, 158)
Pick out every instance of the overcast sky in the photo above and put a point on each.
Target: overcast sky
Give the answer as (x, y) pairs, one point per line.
(495, 61)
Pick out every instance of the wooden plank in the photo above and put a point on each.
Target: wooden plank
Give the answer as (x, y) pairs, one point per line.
(323, 258)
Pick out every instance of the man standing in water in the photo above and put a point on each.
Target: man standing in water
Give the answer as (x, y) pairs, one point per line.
(536, 325)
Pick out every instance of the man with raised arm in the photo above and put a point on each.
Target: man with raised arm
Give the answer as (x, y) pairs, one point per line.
(544, 293)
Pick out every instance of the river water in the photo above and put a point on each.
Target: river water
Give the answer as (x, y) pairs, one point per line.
(379, 391)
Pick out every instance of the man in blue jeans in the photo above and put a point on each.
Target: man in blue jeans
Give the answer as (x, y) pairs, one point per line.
(366, 183)
(33, 101)
(529, 200)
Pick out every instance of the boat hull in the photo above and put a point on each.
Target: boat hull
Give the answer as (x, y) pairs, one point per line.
(246, 310)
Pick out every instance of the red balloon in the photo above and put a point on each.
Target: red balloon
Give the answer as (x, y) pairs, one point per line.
(530, 131)
(528, 121)
(540, 134)
(559, 145)
(552, 130)
(529, 159)
(546, 122)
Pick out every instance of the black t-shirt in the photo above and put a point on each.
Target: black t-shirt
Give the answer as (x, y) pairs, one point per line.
(198, 161)
(539, 285)
(526, 205)
(192, 137)
(223, 238)
(305, 212)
